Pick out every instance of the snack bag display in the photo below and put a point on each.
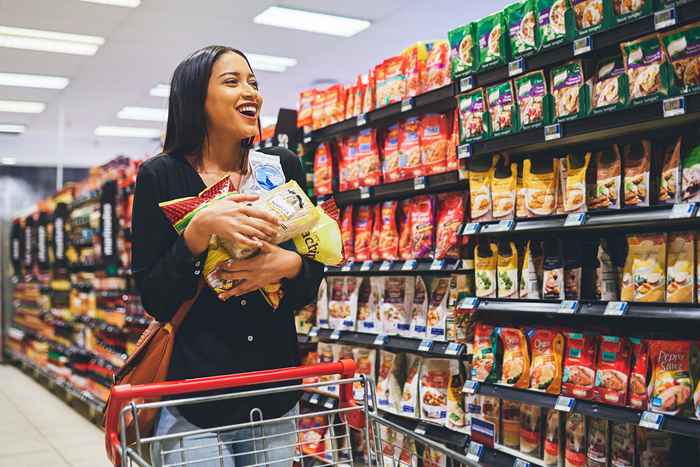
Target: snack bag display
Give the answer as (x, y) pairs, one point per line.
(575, 194)
(475, 123)
(502, 109)
(480, 175)
(437, 308)
(487, 354)
(376, 232)
(516, 358)
(369, 166)
(637, 163)
(553, 438)
(450, 217)
(507, 270)
(492, 37)
(363, 232)
(569, 91)
(422, 226)
(414, 67)
(598, 446)
(611, 87)
(485, 269)
(531, 421)
(579, 365)
(639, 375)
(433, 143)
(623, 448)
(348, 171)
(392, 371)
(365, 359)
(575, 452)
(608, 179)
(392, 87)
(547, 349)
(691, 176)
(304, 108)
(540, 178)
(503, 188)
(325, 355)
(419, 314)
(411, 388)
(434, 381)
(680, 284)
(522, 28)
(647, 276)
(462, 50)
(405, 229)
(626, 10)
(389, 233)
(591, 15)
(532, 269)
(553, 286)
(347, 232)
(323, 171)
(682, 48)
(456, 411)
(397, 305)
(391, 165)
(612, 374)
(409, 149)
(532, 99)
(671, 177)
(671, 384)
(437, 66)
(322, 304)
(510, 420)
(452, 161)
(369, 305)
(645, 65)
(555, 22)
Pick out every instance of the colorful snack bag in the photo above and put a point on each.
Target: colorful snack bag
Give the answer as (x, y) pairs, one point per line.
(370, 169)
(579, 365)
(474, 120)
(462, 50)
(568, 91)
(541, 186)
(591, 15)
(487, 354)
(670, 185)
(369, 94)
(553, 286)
(555, 22)
(575, 194)
(363, 232)
(507, 271)
(452, 162)
(347, 233)
(626, 10)
(623, 448)
(305, 108)
(691, 176)
(393, 86)
(510, 419)
(610, 90)
(575, 453)
(648, 267)
(645, 67)
(392, 369)
(530, 91)
(485, 268)
(389, 233)
(671, 383)
(612, 374)
(503, 188)
(397, 305)
(480, 175)
(608, 165)
(391, 167)
(376, 232)
(639, 376)
(365, 359)
(680, 285)
(501, 108)
(450, 218)
(338, 304)
(323, 171)
(422, 225)
(347, 164)
(530, 284)
(414, 67)
(531, 430)
(409, 148)
(406, 229)
(411, 390)
(419, 313)
(516, 358)
(492, 38)
(435, 378)
(437, 66)
(598, 449)
(522, 28)
(637, 162)
(547, 349)
(433, 143)
(553, 438)
(681, 46)
(437, 308)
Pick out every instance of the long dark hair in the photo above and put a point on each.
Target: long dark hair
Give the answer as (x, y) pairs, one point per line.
(187, 123)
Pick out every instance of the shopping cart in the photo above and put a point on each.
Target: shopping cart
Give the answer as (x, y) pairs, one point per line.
(319, 437)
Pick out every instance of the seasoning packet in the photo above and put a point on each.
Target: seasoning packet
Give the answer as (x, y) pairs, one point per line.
(591, 15)
(671, 379)
(437, 66)
(575, 450)
(553, 438)
(575, 194)
(391, 169)
(520, 207)
(369, 166)
(435, 377)
(547, 350)
(410, 395)
(680, 284)
(480, 175)
(647, 273)
(474, 121)
(555, 22)
(437, 308)
(510, 421)
(389, 233)
(422, 225)
(521, 19)
(553, 279)
(397, 304)
(363, 232)
(405, 229)
(323, 171)
(503, 189)
(531, 421)
(487, 354)
(573, 269)
(531, 271)
(639, 375)
(579, 365)
(392, 370)
(611, 86)
(463, 50)
(682, 48)
(598, 447)
(419, 313)
(492, 38)
(516, 358)
(485, 268)
(450, 217)
(456, 410)
(670, 184)
(365, 360)
(507, 272)
(623, 452)
(540, 178)
(626, 10)
(691, 176)
(612, 373)
(502, 109)
(608, 165)
(569, 91)
(433, 143)
(645, 65)
(533, 101)
(409, 148)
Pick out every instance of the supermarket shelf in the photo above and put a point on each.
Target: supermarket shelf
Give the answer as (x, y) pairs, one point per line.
(389, 268)
(323, 401)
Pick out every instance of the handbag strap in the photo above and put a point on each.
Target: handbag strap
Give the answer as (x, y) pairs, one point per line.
(181, 312)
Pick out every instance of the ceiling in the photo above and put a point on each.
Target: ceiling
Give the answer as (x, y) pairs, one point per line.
(144, 44)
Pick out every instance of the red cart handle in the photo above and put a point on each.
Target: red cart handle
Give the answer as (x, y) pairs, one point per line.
(124, 393)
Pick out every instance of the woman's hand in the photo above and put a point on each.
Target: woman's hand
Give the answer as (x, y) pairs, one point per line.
(233, 220)
(270, 266)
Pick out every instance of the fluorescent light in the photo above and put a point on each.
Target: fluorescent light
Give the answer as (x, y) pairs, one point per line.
(160, 90)
(8, 161)
(150, 114)
(126, 3)
(128, 132)
(266, 120)
(8, 128)
(310, 21)
(270, 62)
(22, 107)
(49, 41)
(33, 81)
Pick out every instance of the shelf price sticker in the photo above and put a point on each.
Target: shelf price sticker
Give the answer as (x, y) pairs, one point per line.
(364, 192)
(471, 228)
(335, 335)
(366, 266)
(582, 45)
(307, 139)
(664, 18)
(464, 151)
(501, 226)
(470, 387)
(409, 265)
(314, 399)
(437, 265)
(425, 345)
(516, 67)
(683, 210)
(673, 106)
(406, 104)
(419, 183)
(616, 308)
(380, 340)
(564, 404)
(469, 303)
(313, 332)
(385, 266)
(651, 420)
(420, 429)
(475, 451)
(347, 266)
(466, 83)
(329, 404)
(453, 348)
(569, 306)
(361, 120)
(521, 463)
(552, 132)
(575, 220)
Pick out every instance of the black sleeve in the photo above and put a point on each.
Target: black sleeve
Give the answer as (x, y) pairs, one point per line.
(166, 272)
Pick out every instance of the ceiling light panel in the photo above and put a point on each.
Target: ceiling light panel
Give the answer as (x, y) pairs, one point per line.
(23, 107)
(33, 81)
(128, 132)
(49, 41)
(310, 21)
(8, 160)
(150, 114)
(160, 90)
(10, 128)
(270, 63)
(124, 3)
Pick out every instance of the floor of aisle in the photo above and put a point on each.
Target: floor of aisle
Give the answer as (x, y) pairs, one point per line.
(37, 429)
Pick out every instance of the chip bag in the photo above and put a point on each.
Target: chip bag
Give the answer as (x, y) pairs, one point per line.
(449, 219)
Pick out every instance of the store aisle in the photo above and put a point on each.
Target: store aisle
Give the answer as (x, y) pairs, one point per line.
(37, 429)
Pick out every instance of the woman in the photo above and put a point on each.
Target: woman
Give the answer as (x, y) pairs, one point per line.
(213, 116)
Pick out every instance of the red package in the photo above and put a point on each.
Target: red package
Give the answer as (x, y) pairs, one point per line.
(391, 169)
(433, 143)
(346, 234)
(349, 101)
(405, 229)
(422, 230)
(376, 232)
(449, 220)
(359, 96)
(348, 165)
(389, 232)
(363, 232)
(323, 171)
(452, 162)
(639, 377)
(409, 147)
(579, 365)
(317, 110)
(305, 108)
(368, 93)
(369, 167)
(312, 432)
(612, 375)
(392, 87)
(414, 68)
(437, 67)
(343, 169)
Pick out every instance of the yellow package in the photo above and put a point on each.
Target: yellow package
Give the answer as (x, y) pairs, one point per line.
(507, 282)
(648, 253)
(504, 184)
(547, 353)
(516, 358)
(680, 283)
(480, 174)
(485, 266)
(627, 288)
(575, 194)
(541, 184)
(520, 208)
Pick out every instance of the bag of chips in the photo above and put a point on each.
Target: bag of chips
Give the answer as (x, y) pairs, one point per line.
(391, 168)
(414, 67)
(347, 232)
(433, 143)
(376, 232)
(305, 107)
(363, 232)
(406, 229)
(450, 218)
(437, 66)
(323, 171)
(409, 148)
(369, 166)
(392, 87)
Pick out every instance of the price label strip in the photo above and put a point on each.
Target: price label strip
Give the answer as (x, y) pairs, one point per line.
(329, 404)
(616, 308)
(501, 226)
(466, 83)
(516, 67)
(664, 18)
(475, 451)
(385, 266)
(582, 45)
(437, 265)
(651, 420)
(683, 210)
(464, 151)
(420, 429)
(347, 266)
(406, 104)
(469, 303)
(335, 335)
(569, 306)
(425, 345)
(419, 183)
(314, 399)
(364, 192)
(361, 120)
(552, 132)
(470, 387)
(409, 265)
(366, 266)
(575, 220)
(521, 463)
(381, 340)
(471, 228)
(454, 348)
(674, 106)
(564, 404)
(307, 139)
(313, 332)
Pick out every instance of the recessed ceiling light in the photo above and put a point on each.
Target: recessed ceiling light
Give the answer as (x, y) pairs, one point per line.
(160, 90)
(8, 161)
(33, 81)
(128, 132)
(22, 107)
(311, 21)
(8, 128)
(126, 3)
(49, 41)
(270, 63)
(150, 114)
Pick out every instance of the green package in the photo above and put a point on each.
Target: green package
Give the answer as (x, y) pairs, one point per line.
(690, 185)
(591, 16)
(462, 50)
(492, 40)
(474, 122)
(611, 88)
(533, 101)
(683, 51)
(555, 22)
(646, 69)
(569, 91)
(630, 10)
(522, 28)
(502, 109)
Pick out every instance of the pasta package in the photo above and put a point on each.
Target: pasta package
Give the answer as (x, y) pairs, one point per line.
(405, 229)
(612, 374)
(456, 411)
(639, 376)
(492, 38)
(645, 65)
(648, 267)
(376, 232)
(480, 177)
(569, 91)
(555, 22)
(450, 218)
(623, 445)
(682, 48)
(691, 176)
(391, 168)
(370, 169)
(671, 385)
(630, 10)
(591, 15)
(392, 371)
(575, 452)
(411, 388)
(532, 269)
(579, 365)
(363, 232)
(598, 446)
(611, 87)
(547, 350)
(575, 194)
(475, 123)
(437, 308)
(433, 143)
(389, 233)
(680, 284)
(409, 148)
(503, 188)
(369, 305)
(323, 171)
(392, 88)
(422, 226)
(365, 359)
(502, 109)
(608, 179)
(553, 438)
(670, 184)
(516, 358)
(397, 304)
(485, 269)
(522, 28)
(347, 232)
(532, 100)
(419, 313)
(487, 354)
(462, 50)
(437, 66)
(531, 428)
(507, 270)
(541, 179)
(435, 378)
(637, 162)
(510, 421)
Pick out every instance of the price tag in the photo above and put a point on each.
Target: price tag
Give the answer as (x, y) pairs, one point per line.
(582, 45)
(564, 404)
(335, 335)
(307, 139)
(464, 151)
(380, 340)
(616, 308)
(420, 429)
(651, 420)
(574, 220)
(329, 404)
(314, 399)
(469, 303)
(347, 266)
(313, 332)
(466, 83)
(674, 106)
(665, 18)
(364, 192)
(470, 387)
(683, 210)
(366, 266)
(385, 266)
(475, 451)
(502, 226)
(409, 265)
(521, 463)
(419, 183)
(516, 67)
(453, 348)
(437, 265)
(425, 345)
(552, 132)
(568, 306)
(361, 120)
(471, 228)
(406, 104)
(268, 143)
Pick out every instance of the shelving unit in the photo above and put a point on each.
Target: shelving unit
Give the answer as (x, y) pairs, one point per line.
(389, 268)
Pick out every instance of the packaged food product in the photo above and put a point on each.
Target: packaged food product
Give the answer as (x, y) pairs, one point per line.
(363, 232)
(607, 274)
(671, 384)
(532, 269)
(591, 15)
(555, 21)
(325, 355)
(487, 354)
(547, 350)
(503, 188)
(531, 430)
(522, 28)
(646, 70)
(691, 176)
(347, 168)
(502, 109)
(573, 269)
(553, 279)
(435, 377)
(563, 166)
(391, 168)
(637, 163)
(317, 110)
(419, 318)
(531, 95)
(397, 305)
(629, 10)
(510, 421)
(680, 285)
(392, 88)
(305, 108)
(475, 123)
(462, 50)
(575, 454)
(492, 38)
(569, 91)
(450, 217)
(437, 66)
(654, 448)
(365, 359)
(360, 88)
(485, 269)
(338, 305)
(433, 143)
(392, 371)
(541, 182)
(414, 67)
(608, 179)
(612, 374)
(437, 308)
(322, 305)
(346, 232)
(579, 365)
(575, 195)
(369, 317)
(369, 166)
(485, 414)
(507, 270)
(516, 358)
(409, 398)
(553, 438)
(434, 458)
(376, 232)
(598, 447)
(405, 229)
(647, 275)
(389, 233)
(451, 159)
(422, 226)
(389, 441)
(623, 448)
(323, 171)
(409, 148)
(610, 89)
(639, 376)
(480, 175)
(682, 49)
(368, 92)
(670, 184)
(456, 414)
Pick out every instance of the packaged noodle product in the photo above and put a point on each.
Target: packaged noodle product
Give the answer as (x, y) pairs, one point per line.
(391, 169)
(450, 217)
(392, 370)
(691, 176)
(503, 188)
(409, 149)
(522, 21)
(347, 233)
(579, 365)
(626, 10)
(363, 232)
(485, 268)
(575, 195)
(462, 50)
(654, 448)
(419, 313)
(670, 184)
(639, 376)
(435, 377)
(645, 67)
(573, 270)
(365, 359)
(591, 15)
(510, 420)
(370, 169)
(480, 175)
(487, 354)
(437, 66)
(612, 374)
(598, 446)
(376, 232)
(682, 48)
(507, 270)
(637, 163)
(389, 233)
(325, 355)
(555, 22)
(541, 182)
(422, 225)
(369, 305)
(608, 165)
(569, 91)
(397, 305)
(553, 438)
(531, 91)
(547, 349)
(409, 398)
(433, 143)
(474, 120)
(648, 267)
(405, 229)
(531, 430)
(610, 89)
(530, 284)
(575, 453)
(414, 67)
(492, 38)
(456, 415)
(622, 445)
(323, 171)
(671, 384)
(437, 308)
(553, 279)
(393, 87)
(516, 358)
(501, 108)
(680, 285)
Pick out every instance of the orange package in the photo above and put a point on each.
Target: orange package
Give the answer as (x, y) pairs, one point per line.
(346, 233)
(449, 220)
(369, 167)
(451, 159)
(414, 68)
(340, 98)
(437, 67)
(433, 143)
(516, 358)
(363, 232)
(343, 169)
(405, 229)
(305, 108)
(389, 232)
(390, 81)
(639, 375)
(547, 349)
(323, 171)
(376, 232)
(349, 101)
(359, 96)
(409, 147)
(422, 226)
(368, 103)
(391, 169)
(348, 164)
(317, 110)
